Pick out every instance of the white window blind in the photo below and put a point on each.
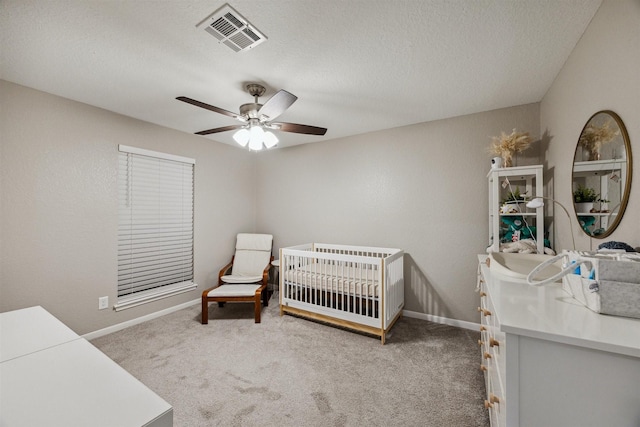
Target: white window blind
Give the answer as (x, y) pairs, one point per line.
(155, 225)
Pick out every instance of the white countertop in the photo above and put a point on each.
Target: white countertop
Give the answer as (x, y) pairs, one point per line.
(29, 330)
(50, 376)
(549, 313)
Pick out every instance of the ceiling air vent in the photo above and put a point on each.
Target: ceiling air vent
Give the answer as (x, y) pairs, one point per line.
(232, 29)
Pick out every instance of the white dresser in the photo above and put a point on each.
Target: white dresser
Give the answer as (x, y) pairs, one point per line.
(50, 376)
(549, 361)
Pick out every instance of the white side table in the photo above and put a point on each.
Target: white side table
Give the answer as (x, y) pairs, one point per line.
(276, 266)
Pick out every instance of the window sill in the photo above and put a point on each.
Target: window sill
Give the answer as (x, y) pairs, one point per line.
(153, 295)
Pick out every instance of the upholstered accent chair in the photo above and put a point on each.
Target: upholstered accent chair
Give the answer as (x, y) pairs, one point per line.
(245, 278)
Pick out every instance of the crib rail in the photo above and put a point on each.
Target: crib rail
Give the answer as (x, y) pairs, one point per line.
(357, 284)
(394, 287)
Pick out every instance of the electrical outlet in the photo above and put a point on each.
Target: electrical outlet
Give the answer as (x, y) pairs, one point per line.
(103, 302)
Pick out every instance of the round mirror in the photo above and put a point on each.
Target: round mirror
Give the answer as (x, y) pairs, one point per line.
(601, 179)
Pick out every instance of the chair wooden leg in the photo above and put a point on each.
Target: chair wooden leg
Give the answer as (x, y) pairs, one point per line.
(258, 308)
(205, 311)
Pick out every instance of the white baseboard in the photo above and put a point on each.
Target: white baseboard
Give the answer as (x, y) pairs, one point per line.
(414, 314)
(442, 320)
(111, 329)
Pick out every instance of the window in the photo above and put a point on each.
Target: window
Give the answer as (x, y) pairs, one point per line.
(155, 226)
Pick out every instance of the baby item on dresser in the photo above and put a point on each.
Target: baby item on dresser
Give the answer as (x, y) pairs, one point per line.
(605, 282)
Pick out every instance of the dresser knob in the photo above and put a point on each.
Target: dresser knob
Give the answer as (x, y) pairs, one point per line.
(493, 343)
(483, 368)
(483, 294)
(493, 398)
(480, 343)
(483, 328)
(484, 311)
(488, 404)
(487, 355)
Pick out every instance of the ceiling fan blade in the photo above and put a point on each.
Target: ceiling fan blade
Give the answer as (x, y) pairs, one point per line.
(296, 128)
(277, 104)
(208, 107)
(222, 129)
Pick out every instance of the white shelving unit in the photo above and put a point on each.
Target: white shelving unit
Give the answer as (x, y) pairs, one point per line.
(528, 178)
(599, 173)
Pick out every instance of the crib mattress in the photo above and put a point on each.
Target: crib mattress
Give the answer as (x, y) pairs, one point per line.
(336, 279)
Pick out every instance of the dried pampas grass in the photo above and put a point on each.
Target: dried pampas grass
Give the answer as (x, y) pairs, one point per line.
(593, 137)
(506, 146)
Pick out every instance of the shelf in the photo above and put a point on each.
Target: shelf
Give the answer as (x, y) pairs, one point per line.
(599, 165)
(596, 214)
(527, 178)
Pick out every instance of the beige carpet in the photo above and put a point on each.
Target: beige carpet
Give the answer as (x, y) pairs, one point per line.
(289, 371)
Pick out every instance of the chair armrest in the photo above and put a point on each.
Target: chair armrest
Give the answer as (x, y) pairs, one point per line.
(265, 272)
(224, 270)
(205, 293)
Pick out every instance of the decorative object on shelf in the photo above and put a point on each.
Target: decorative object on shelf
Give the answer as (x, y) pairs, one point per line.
(603, 205)
(583, 199)
(608, 172)
(586, 223)
(594, 136)
(526, 246)
(517, 229)
(506, 146)
(496, 163)
(538, 203)
(514, 202)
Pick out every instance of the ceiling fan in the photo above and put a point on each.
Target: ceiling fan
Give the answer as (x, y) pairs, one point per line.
(257, 119)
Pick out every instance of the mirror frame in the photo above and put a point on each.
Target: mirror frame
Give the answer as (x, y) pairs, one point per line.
(627, 188)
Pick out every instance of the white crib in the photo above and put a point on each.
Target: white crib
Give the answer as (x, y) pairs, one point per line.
(356, 287)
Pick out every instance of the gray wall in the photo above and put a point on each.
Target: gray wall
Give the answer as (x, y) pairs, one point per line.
(602, 73)
(58, 226)
(421, 188)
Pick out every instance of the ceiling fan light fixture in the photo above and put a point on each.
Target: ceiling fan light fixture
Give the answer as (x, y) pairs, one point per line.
(255, 144)
(270, 140)
(257, 133)
(242, 137)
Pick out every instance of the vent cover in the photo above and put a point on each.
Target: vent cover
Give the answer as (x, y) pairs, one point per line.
(232, 29)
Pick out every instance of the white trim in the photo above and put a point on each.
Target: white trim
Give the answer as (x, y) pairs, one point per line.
(157, 154)
(120, 326)
(153, 295)
(443, 320)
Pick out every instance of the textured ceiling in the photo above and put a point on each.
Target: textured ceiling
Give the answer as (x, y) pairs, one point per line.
(356, 65)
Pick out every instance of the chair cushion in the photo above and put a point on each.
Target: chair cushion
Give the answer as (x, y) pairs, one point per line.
(233, 291)
(250, 263)
(241, 279)
(254, 242)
